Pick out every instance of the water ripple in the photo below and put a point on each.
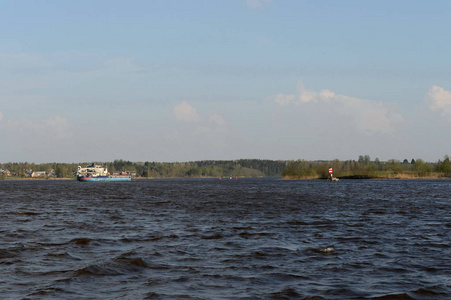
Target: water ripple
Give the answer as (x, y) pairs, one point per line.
(240, 239)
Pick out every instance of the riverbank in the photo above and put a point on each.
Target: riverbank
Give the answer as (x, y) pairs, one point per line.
(378, 175)
(138, 178)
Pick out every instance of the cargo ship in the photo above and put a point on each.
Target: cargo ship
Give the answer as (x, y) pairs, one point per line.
(98, 173)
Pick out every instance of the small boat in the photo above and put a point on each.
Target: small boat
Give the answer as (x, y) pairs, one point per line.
(98, 173)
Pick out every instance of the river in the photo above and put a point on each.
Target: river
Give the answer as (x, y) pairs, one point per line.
(225, 239)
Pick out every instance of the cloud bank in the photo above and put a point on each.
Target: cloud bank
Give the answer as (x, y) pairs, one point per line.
(184, 112)
(439, 100)
(366, 116)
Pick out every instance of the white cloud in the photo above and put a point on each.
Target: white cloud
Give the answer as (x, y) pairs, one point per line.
(1, 115)
(364, 115)
(304, 95)
(439, 100)
(368, 116)
(197, 124)
(254, 4)
(185, 113)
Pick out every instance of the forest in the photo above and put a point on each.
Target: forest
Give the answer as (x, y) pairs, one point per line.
(365, 168)
(197, 169)
(361, 168)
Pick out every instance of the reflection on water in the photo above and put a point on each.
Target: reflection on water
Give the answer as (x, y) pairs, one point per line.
(226, 239)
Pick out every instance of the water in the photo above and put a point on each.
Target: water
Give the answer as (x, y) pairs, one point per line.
(226, 239)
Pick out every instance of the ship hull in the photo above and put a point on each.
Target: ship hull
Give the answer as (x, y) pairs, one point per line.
(103, 178)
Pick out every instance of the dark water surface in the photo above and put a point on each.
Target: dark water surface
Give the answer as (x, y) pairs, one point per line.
(226, 239)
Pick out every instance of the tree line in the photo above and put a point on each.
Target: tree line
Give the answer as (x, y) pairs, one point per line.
(197, 169)
(363, 167)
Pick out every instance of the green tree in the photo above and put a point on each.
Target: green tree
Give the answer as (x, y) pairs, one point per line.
(421, 167)
(394, 165)
(59, 173)
(444, 166)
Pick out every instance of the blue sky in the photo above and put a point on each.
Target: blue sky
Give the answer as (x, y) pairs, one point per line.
(191, 80)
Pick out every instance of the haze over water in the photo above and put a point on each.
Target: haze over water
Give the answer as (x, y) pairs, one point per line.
(226, 239)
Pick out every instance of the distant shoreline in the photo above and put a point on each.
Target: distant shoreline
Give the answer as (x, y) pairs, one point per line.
(352, 177)
(28, 178)
(372, 177)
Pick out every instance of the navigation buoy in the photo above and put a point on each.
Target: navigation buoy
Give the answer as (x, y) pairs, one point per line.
(331, 175)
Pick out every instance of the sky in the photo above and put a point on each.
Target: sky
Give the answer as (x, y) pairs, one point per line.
(176, 80)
